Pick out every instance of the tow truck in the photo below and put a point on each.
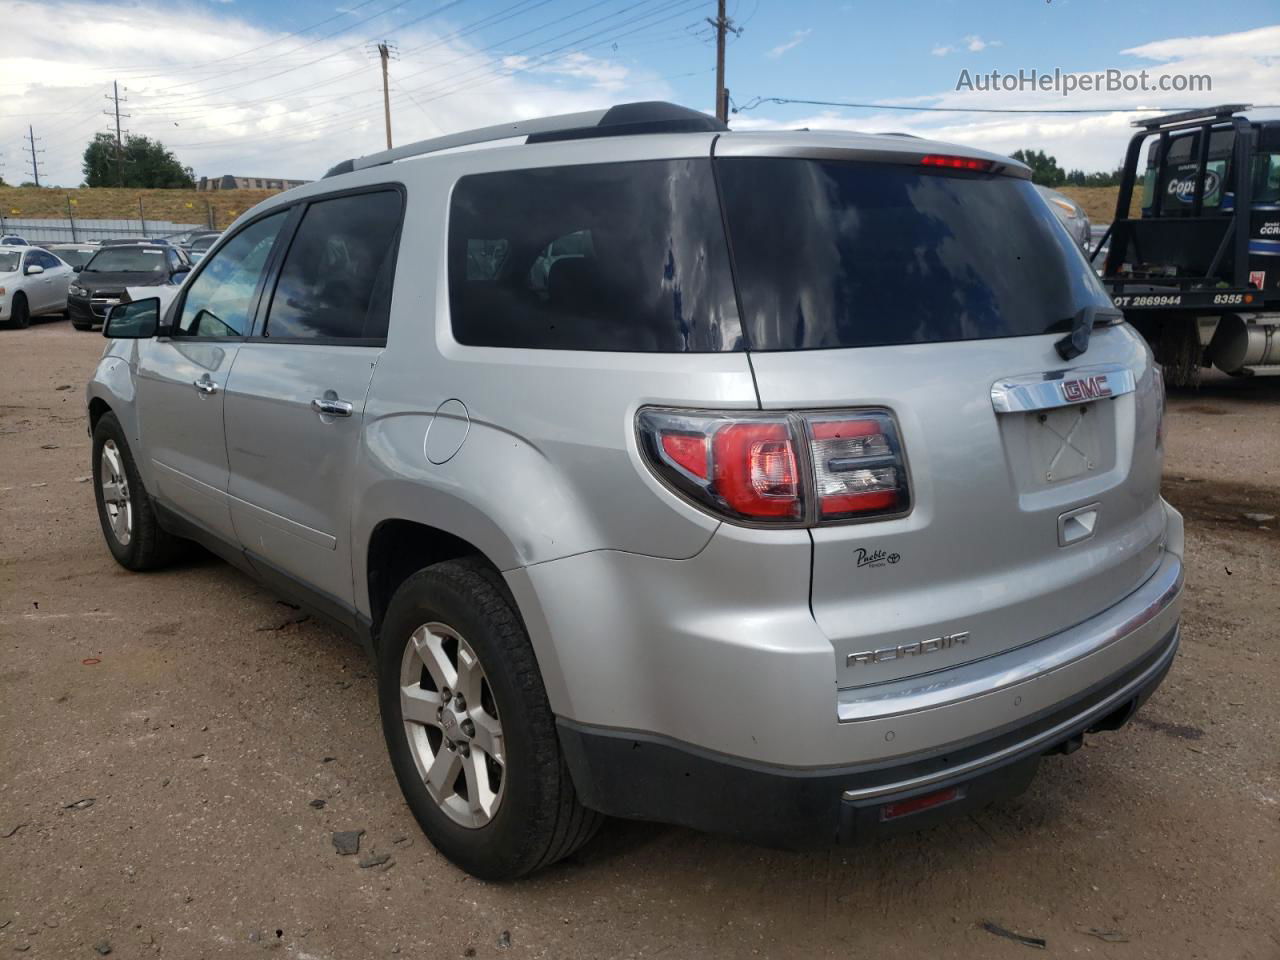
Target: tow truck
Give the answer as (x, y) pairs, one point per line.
(1198, 273)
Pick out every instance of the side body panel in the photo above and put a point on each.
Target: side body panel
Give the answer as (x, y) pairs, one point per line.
(290, 467)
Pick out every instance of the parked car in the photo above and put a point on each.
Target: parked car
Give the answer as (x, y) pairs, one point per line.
(834, 543)
(1071, 214)
(199, 245)
(33, 283)
(75, 255)
(13, 240)
(132, 241)
(101, 283)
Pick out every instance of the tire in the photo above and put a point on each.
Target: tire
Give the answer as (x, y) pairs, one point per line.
(137, 542)
(536, 818)
(21, 316)
(83, 327)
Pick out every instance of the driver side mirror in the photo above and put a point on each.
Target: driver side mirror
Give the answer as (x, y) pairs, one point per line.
(33, 269)
(77, 268)
(138, 320)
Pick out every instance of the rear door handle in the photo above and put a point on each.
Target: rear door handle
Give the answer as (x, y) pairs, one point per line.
(205, 385)
(330, 406)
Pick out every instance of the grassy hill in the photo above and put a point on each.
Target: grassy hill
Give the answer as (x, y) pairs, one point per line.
(1100, 202)
(103, 203)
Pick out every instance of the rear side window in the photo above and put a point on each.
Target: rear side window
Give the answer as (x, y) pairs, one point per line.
(336, 280)
(839, 254)
(619, 256)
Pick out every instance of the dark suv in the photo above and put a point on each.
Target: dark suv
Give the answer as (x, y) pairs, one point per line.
(102, 282)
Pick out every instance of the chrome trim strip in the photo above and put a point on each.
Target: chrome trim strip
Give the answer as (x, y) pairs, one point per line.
(978, 678)
(1061, 388)
(1044, 738)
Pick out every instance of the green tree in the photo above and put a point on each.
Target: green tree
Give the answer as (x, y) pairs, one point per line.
(144, 163)
(1044, 168)
(1103, 178)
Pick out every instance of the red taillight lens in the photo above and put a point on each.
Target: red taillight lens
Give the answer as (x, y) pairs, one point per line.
(954, 163)
(748, 466)
(755, 470)
(689, 450)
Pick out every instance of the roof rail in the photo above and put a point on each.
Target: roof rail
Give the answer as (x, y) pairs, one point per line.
(1222, 112)
(654, 116)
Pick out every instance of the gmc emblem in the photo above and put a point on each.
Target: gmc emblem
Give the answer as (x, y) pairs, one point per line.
(1086, 388)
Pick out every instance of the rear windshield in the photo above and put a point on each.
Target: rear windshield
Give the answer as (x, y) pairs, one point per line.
(204, 243)
(128, 260)
(75, 258)
(614, 256)
(839, 254)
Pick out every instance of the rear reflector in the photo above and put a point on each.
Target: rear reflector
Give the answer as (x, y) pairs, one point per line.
(954, 163)
(928, 801)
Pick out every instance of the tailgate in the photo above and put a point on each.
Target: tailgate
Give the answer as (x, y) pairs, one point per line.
(1025, 522)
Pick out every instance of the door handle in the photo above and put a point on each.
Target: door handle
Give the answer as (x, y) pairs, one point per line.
(330, 406)
(205, 385)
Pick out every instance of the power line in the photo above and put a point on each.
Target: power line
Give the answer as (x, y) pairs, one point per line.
(758, 101)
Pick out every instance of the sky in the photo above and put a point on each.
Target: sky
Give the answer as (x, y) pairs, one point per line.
(286, 88)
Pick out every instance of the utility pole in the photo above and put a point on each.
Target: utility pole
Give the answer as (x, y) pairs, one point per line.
(35, 166)
(115, 97)
(385, 54)
(722, 25)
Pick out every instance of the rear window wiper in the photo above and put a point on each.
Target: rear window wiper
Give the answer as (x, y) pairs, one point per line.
(1076, 342)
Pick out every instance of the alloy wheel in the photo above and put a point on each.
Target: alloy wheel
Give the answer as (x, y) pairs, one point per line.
(452, 724)
(113, 484)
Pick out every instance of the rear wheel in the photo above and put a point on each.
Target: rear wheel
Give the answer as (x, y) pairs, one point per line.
(469, 728)
(21, 312)
(128, 520)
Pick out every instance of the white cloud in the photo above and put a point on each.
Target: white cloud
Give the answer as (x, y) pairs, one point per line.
(290, 109)
(1262, 42)
(941, 50)
(975, 44)
(797, 38)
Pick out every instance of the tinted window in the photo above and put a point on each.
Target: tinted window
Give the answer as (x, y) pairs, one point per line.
(623, 256)
(46, 260)
(832, 254)
(336, 279)
(218, 301)
(130, 259)
(77, 258)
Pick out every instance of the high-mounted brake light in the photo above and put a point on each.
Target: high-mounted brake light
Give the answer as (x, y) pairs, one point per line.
(955, 163)
(749, 467)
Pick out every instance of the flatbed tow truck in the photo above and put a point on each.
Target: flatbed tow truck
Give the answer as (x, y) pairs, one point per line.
(1199, 272)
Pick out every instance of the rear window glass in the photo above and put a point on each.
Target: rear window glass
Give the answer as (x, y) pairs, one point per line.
(76, 258)
(620, 256)
(838, 254)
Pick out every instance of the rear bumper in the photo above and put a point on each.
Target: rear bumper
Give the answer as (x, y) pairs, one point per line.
(654, 778)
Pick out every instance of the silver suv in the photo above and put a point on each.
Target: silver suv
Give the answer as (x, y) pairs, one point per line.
(802, 487)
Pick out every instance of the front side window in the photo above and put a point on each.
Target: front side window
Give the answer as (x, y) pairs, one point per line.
(337, 276)
(618, 256)
(219, 301)
(845, 254)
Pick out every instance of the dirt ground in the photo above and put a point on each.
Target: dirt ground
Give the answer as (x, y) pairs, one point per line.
(165, 740)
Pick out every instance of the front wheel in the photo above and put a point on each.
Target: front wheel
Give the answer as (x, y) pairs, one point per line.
(469, 728)
(129, 523)
(21, 312)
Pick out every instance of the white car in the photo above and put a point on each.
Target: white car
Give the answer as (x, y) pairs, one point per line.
(33, 283)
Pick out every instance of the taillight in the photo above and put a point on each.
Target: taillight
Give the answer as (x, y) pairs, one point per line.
(857, 465)
(798, 468)
(955, 163)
